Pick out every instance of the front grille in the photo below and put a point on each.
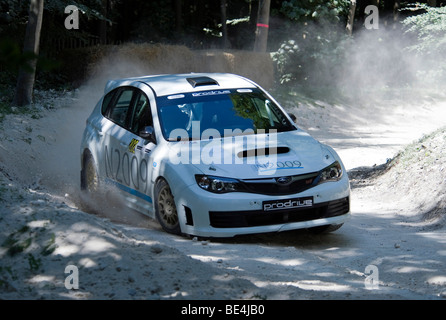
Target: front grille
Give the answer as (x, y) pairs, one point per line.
(239, 219)
(270, 186)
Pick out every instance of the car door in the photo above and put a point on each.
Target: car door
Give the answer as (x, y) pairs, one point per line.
(139, 161)
(116, 135)
(127, 156)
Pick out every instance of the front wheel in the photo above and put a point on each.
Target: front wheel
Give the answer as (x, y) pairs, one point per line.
(165, 208)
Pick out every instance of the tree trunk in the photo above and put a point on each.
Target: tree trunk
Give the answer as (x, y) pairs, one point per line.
(351, 17)
(396, 11)
(432, 3)
(261, 41)
(25, 79)
(178, 17)
(103, 23)
(223, 23)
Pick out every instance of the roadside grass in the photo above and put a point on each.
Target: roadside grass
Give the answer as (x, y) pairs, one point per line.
(6, 108)
(415, 179)
(426, 152)
(42, 100)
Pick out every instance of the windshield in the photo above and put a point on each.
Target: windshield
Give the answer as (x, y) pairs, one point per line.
(219, 113)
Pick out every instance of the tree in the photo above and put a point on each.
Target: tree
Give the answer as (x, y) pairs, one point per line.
(351, 17)
(315, 53)
(262, 26)
(430, 28)
(25, 80)
(103, 22)
(223, 23)
(178, 17)
(396, 10)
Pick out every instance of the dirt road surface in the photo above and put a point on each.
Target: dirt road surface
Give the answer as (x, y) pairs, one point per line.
(385, 251)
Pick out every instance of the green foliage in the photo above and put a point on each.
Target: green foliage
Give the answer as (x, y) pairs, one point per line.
(34, 263)
(317, 47)
(90, 8)
(313, 58)
(11, 57)
(429, 27)
(152, 20)
(315, 10)
(19, 241)
(16, 243)
(13, 21)
(50, 245)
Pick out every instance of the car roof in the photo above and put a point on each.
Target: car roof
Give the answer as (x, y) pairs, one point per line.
(168, 84)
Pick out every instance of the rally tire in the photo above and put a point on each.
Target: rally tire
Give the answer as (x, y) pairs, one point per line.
(165, 208)
(89, 185)
(90, 178)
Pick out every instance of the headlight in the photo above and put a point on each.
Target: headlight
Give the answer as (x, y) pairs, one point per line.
(331, 173)
(217, 184)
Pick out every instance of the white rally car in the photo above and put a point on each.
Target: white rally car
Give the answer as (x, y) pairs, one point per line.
(211, 155)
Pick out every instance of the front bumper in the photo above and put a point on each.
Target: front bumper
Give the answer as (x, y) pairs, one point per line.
(257, 218)
(206, 214)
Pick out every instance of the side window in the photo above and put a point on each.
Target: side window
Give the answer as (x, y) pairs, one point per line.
(118, 112)
(107, 99)
(141, 116)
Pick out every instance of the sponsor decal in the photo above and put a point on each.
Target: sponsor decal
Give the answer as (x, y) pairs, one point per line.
(278, 165)
(209, 93)
(132, 145)
(287, 204)
(126, 169)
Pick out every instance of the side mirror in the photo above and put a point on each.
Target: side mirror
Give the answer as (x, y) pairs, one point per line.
(148, 133)
(293, 117)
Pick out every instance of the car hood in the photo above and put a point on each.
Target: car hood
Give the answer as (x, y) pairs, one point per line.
(290, 153)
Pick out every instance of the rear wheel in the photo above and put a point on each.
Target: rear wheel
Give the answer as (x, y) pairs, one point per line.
(165, 208)
(89, 185)
(90, 180)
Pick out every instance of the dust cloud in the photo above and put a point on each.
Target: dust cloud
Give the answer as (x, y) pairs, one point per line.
(381, 65)
(370, 66)
(44, 150)
(378, 62)
(41, 149)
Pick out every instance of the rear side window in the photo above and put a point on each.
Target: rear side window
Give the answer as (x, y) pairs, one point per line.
(106, 102)
(141, 114)
(118, 111)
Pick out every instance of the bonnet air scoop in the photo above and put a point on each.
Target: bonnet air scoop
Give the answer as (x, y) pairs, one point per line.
(201, 81)
(262, 152)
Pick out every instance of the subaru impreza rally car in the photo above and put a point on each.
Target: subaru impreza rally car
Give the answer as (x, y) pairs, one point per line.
(210, 155)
